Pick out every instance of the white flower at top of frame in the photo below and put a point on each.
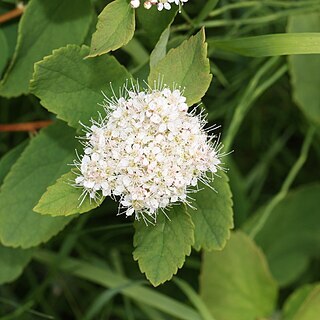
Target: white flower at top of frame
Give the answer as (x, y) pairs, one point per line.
(135, 3)
(166, 3)
(147, 151)
(147, 5)
(161, 4)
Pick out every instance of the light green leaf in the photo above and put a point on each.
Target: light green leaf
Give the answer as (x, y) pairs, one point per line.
(63, 199)
(304, 70)
(12, 262)
(115, 28)
(289, 238)
(4, 51)
(9, 159)
(44, 26)
(295, 300)
(154, 22)
(271, 44)
(44, 160)
(186, 66)
(310, 308)
(236, 283)
(161, 248)
(70, 86)
(213, 217)
(160, 50)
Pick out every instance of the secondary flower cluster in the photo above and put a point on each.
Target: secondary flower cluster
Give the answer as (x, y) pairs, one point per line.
(161, 4)
(148, 151)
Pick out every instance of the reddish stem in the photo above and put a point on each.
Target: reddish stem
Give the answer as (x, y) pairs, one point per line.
(11, 15)
(27, 126)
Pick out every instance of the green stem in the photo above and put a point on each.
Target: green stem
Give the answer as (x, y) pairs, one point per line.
(205, 11)
(194, 298)
(258, 20)
(269, 18)
(286, 185)
(250, 95)
(109, 279)
(245, 4)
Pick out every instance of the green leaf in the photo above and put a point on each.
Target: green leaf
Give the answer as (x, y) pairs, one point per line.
(147, 19)
(186, 66)
(161, 248)
(4, 52)
(309, 309)
(295, 300)
(236, 283)
(160, 50)
(70, 86)
(63, 199)
(213, 217)
(44, 26)
(271, 44)
(304, 70)
(10, 31)
(44, 160)
(12, 262)
(9, 159)
(115, 28)
(291, 235)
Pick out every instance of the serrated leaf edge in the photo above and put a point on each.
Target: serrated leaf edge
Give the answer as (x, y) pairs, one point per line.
(176, 269)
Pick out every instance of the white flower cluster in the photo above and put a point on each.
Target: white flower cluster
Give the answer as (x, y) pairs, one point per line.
(148, 151)
(161, 4)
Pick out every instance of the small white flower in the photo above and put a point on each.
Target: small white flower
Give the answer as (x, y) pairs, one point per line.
(135, 3)
(148, 150)
(147, 5)
(161, 4)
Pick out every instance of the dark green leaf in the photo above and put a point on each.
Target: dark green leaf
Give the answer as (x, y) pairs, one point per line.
(44, 160)
(213, 217)
(161, 248)
(12, 262)
(154, 22)
(291, 234)
(4, 51)
(44, 26)
(9, 159)
(71, 87)
(10, 31)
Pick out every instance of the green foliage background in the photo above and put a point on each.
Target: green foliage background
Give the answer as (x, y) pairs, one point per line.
(264, 91)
